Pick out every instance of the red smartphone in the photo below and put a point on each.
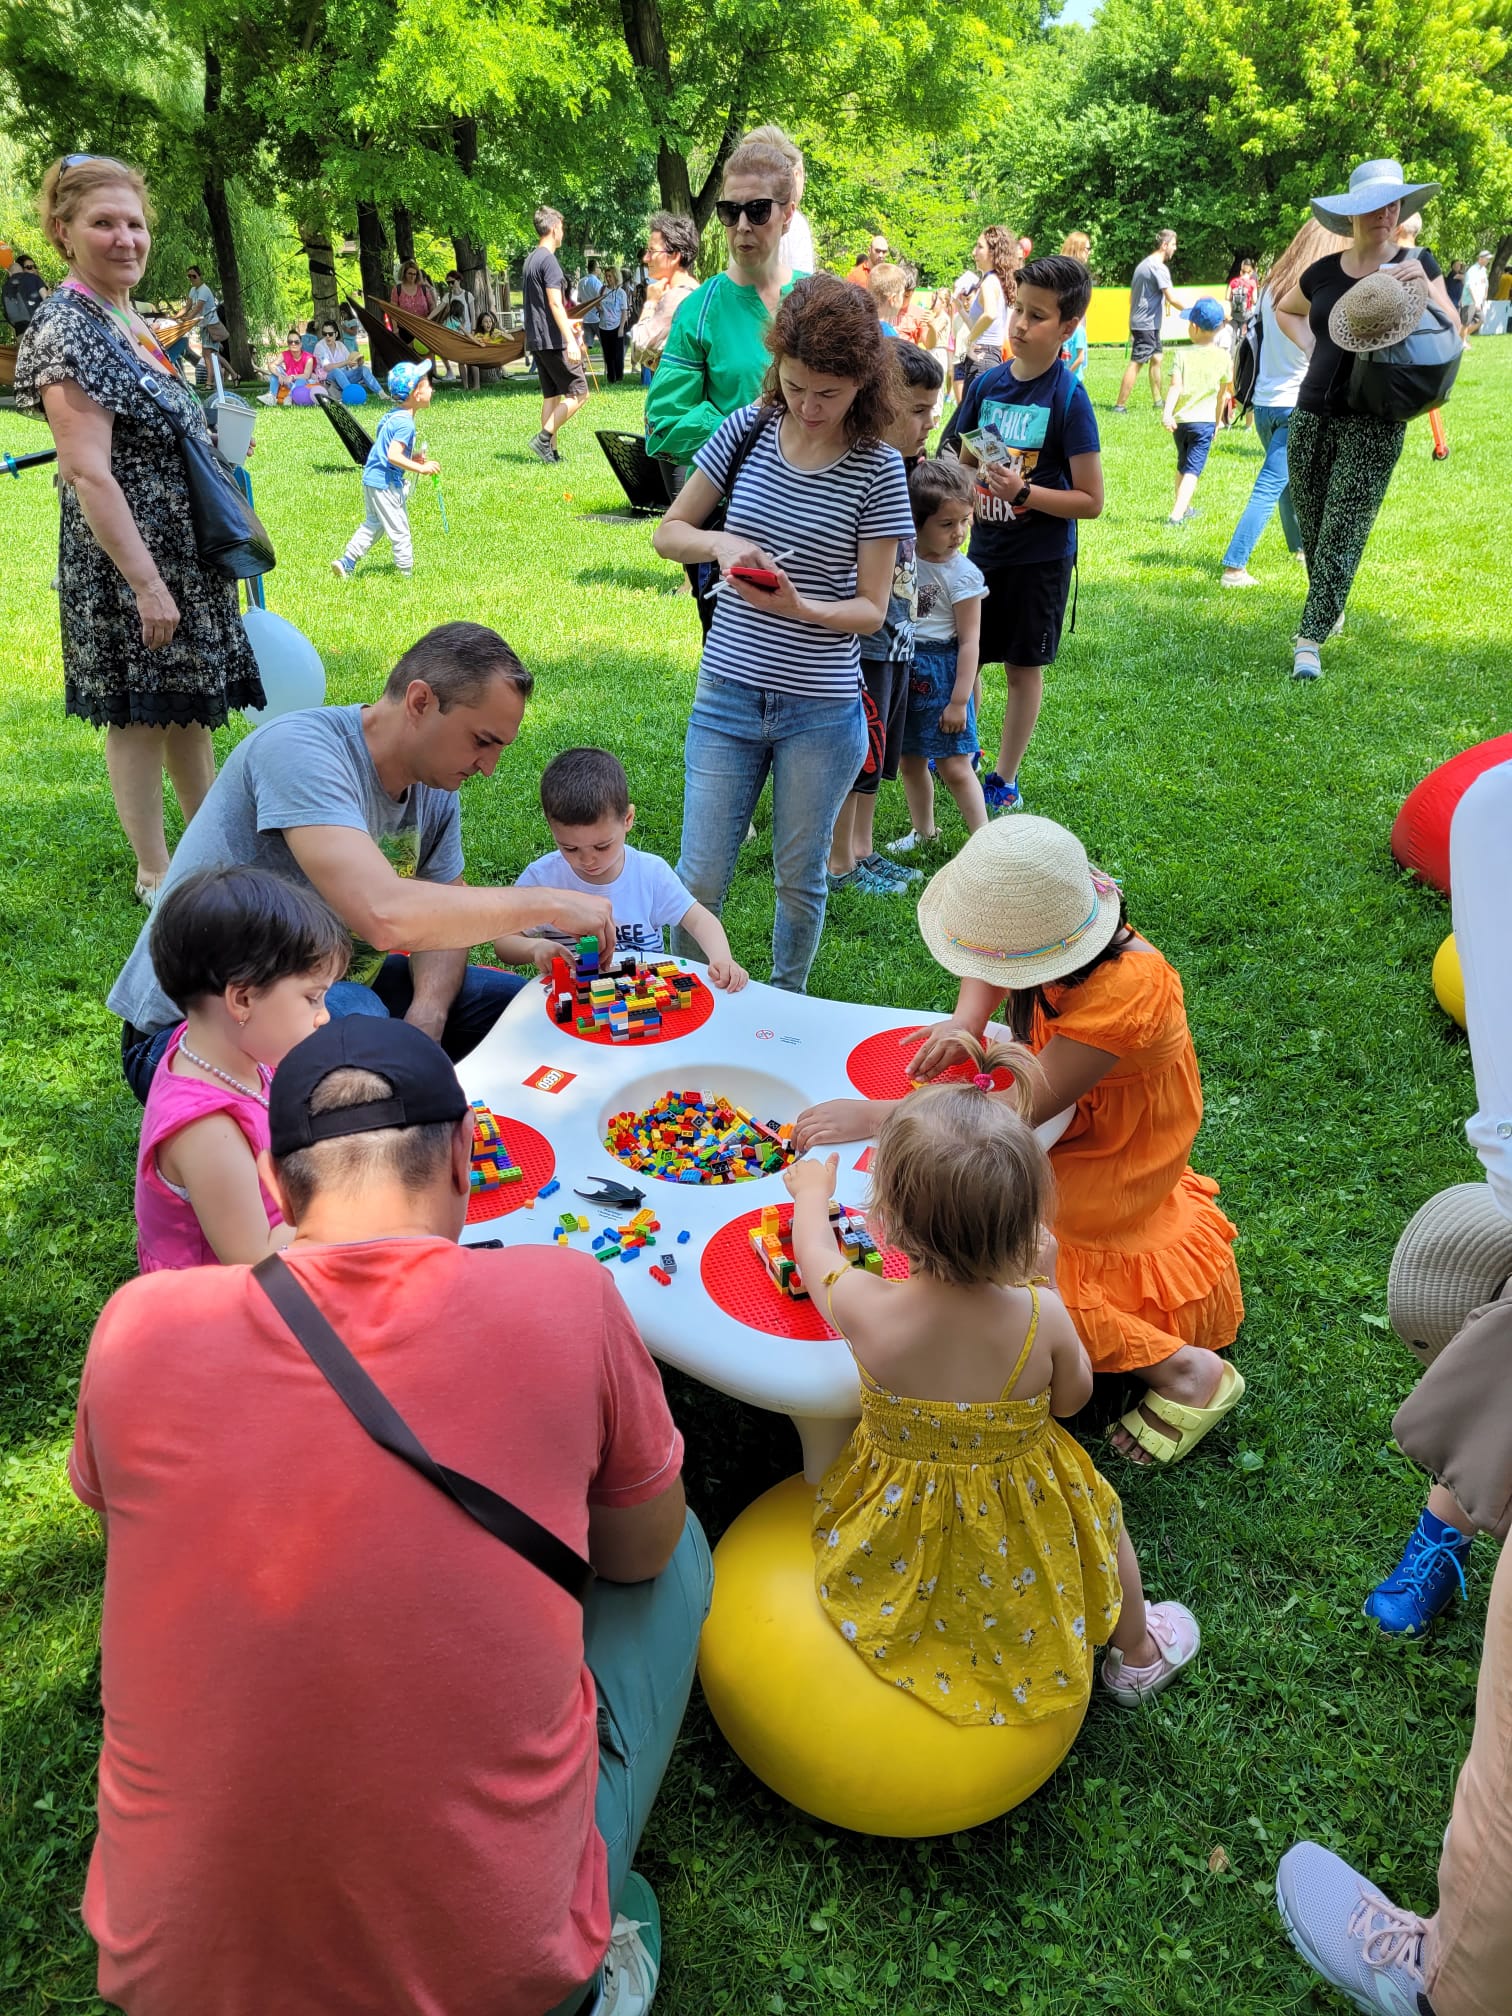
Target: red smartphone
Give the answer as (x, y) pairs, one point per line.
(759, 577)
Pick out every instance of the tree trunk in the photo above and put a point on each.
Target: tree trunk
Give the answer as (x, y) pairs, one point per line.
(372, 251)
(233, 309)
(471, 255)
(647, 43)
(1500, 261)
(404, 233)
(322, 264)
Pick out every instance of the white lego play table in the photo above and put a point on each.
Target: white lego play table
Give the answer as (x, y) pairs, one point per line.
(773, 1053)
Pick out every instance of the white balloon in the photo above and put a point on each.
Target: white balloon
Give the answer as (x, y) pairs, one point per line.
(292, 674)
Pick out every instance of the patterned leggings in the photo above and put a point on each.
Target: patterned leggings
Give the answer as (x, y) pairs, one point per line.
(1339, 466)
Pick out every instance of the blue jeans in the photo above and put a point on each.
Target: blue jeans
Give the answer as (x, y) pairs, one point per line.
(343, 375)
(1271, 491)
(640, 1640)
(481, 1000)
(814, 750)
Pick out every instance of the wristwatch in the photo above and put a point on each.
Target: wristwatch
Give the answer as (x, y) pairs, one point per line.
(1022, 498)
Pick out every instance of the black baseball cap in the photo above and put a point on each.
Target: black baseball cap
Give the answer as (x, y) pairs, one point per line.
(426, 1091)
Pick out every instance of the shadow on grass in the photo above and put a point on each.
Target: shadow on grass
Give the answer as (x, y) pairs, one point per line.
(657, 580)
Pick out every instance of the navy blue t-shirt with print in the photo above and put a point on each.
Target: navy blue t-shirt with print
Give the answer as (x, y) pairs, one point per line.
(1028, 414)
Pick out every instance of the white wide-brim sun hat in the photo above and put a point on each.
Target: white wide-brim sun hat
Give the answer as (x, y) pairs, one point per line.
(1372, 186)
(1020, 905)
(1377, 312)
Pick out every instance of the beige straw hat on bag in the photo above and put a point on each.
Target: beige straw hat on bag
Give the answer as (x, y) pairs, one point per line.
(1019, 905)
(1377, 312)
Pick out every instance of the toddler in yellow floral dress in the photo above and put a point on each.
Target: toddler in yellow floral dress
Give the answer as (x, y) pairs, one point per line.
(964, 1543)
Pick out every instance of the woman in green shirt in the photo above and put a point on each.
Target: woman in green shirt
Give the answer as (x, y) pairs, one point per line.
(716, 356)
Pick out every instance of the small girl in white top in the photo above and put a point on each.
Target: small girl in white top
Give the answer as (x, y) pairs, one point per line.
(941, 726)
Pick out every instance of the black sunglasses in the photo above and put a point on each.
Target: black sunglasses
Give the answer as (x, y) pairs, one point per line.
(758, 210)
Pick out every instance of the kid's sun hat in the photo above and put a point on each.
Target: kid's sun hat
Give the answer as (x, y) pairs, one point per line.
(403, 379)
(1372, 186)
(1206, 313)
(1377, 312)
(1019, 905)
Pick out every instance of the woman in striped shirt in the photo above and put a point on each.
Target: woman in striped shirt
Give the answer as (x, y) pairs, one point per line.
(817, 505)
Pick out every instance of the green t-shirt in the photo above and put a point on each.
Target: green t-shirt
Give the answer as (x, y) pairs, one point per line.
(714, 363)
(1203, 367)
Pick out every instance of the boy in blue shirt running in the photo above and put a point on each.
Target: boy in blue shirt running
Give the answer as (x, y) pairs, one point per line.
(390, 458)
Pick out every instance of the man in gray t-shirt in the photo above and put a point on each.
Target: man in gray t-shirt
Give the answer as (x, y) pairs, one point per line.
(360, 803)
(1149, 297)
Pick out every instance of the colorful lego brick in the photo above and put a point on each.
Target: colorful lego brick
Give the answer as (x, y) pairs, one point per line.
(549, 1189)
(683, 1238)
(492, 1164)
(659, 1274)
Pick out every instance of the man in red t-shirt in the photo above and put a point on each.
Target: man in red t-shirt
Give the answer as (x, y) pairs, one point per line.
(359, 1754)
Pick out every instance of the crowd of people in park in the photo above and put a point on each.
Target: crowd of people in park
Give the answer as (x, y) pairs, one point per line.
(308, 1797)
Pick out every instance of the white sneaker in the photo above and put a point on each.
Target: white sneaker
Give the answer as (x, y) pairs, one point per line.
(911, 840)
(632, 1966)
(267, 398)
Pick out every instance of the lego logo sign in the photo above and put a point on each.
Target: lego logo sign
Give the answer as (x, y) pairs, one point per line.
(547, 1078)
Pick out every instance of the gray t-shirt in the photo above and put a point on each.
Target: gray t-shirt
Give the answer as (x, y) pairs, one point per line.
(1147, 292)
(306, 769)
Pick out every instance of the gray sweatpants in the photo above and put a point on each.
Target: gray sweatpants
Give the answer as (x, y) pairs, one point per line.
(387, 518)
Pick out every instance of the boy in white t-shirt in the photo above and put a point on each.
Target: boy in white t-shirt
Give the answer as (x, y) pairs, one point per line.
(586, 799)
(941, 726)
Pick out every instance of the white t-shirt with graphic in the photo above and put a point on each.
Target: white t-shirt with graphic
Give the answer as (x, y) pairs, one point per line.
(646, 895)
(943, 583)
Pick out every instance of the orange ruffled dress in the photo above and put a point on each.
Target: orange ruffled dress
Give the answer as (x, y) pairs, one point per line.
(1146, 1257)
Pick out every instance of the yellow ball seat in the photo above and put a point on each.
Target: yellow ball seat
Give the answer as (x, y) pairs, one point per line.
(1449, 981)
(802, 1711)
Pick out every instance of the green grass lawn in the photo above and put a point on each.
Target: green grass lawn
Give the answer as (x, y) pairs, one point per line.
(1248, 819)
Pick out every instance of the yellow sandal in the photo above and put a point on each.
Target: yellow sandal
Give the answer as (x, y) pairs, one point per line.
(1190, 1423)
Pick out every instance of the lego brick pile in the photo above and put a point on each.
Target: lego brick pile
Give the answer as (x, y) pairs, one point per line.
(686, 1138)
(492, 1164)
(623, 1242)
(621, 999)
(771, 1240)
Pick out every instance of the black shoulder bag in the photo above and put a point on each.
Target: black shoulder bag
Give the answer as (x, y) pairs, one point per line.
(228, 534)
(701, 573)
(377, 1414)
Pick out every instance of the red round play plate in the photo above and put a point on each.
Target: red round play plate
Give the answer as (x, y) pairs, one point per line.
(534, 1154)
(676, 1022)
(878, 1066)
(736, 1280)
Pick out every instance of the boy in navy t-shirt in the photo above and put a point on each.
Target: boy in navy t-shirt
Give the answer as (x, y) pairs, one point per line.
(1027, 431)
(383, 474)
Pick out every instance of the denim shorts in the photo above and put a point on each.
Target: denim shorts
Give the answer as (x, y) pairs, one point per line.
(1193, 440)
(929, 690)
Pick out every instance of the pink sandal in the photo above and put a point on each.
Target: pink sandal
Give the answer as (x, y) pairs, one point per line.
(1174, 1629)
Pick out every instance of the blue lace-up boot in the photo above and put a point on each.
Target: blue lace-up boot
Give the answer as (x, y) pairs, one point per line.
(1420, 1586)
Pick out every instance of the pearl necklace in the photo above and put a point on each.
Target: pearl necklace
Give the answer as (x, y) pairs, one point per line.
(215, 1071)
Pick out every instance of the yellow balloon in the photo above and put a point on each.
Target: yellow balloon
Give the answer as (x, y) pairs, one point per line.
(799, 1707)
(1448, 981)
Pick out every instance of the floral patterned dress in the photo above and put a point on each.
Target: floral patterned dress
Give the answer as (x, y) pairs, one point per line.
(110, 677)
(968, 1550)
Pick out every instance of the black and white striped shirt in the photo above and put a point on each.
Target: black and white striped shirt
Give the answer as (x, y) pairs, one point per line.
(819, 517)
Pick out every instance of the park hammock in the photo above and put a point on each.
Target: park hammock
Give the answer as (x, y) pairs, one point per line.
(451, 344)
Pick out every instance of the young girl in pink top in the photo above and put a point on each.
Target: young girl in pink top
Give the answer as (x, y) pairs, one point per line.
(248, 957)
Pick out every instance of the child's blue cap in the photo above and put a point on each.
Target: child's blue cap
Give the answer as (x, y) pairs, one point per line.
(403, 379)
(1203, 314)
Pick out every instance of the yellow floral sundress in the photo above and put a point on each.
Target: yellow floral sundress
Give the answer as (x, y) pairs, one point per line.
(968, 1550)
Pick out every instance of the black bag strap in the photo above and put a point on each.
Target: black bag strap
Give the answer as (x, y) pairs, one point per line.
(388, 1427)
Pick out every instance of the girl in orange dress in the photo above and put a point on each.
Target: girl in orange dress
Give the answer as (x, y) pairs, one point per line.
(1145, 1262)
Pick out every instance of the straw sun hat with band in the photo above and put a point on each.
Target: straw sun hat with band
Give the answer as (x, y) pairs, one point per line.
(1377, 312)
(1020, 905)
